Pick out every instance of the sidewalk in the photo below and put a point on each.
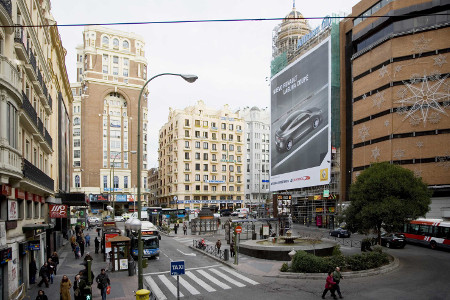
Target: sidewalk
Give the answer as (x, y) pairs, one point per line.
(122, 285)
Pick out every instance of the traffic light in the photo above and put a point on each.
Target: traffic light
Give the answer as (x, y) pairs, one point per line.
(81, 213)
(88, 297)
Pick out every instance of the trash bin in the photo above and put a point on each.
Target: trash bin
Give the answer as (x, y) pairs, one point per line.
(131, 267)
(226, 255)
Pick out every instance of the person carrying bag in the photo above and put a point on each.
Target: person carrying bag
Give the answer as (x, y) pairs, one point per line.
(103, 283)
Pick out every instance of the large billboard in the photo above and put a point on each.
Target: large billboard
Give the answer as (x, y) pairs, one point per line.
(301, 118)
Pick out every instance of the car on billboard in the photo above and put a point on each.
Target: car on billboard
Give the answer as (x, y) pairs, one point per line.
(299, 123)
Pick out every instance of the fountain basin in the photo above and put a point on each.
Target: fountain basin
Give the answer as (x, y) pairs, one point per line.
(265, 249)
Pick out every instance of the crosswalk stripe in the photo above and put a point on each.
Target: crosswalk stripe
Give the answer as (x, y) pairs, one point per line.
(214, 280)
(229, 279)
(169, 285)
(155, 289)
(236, 274)
(200, 282)
(189, 287)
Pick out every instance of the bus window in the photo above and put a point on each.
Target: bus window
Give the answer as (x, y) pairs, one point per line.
(443, 232)
(426, 230)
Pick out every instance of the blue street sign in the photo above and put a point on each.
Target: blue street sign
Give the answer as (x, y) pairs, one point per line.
(177, 267)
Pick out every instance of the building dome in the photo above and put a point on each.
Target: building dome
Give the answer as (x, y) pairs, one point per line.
(254, 108)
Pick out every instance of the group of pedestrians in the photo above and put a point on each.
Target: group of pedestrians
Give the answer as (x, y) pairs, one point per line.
(332, 283)
(79, 242)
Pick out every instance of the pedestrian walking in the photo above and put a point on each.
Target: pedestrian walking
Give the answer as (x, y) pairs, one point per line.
(232, 248)
(33, 270)
(87, 238)
(44, 273)
(218, 245)
(41, 295)
(78, 288)
(51, 269)
(102, 283)
(97, 245)
(88, 257)
(55, 260)
(80, 241)
(337, 277)
(76, 251)
(175, 228)
(64, 288)
(329, 286)
(185, 229)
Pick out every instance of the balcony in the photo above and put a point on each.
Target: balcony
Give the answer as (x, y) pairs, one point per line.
(10, 161)
(6, 15)
(29, 109)
(32, 173)
(21, 44)
(10, 76)
(36, 123)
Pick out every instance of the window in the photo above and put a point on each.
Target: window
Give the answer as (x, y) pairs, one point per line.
(77, 163)
(76, 132)
(214, 157)
(105, 69)
(105, 182)
(224, 188)
(197, 155)
(186, 144)
(205, 178)
(224, 157)
(230, 127)
(205, 123)
(197, 167)
(231, 147)
(224, 177)
(77, 181)
(224, 168)
(205, 167)
(105, 41)
(186, 167)
(115, 71)
(186, 133)
(76, 153)
(197, 188)
(197, 134)
(231, 168)
(197, 123)
(125, 44)
(231, 178)
(76, 142)
(224, 126)
(214, 146)
(197, 177)
(224, 137)
(186, 155)
(214, 168)
(214, 188)
(115, 59)
(125, 72)
(115, 42)
(197, 145)
(224, 147)
(186, 177)
(205, 134)
(125, 182)
(186, 122)
(205, 156)
(12, 124)
(186, 187)
(205, 145)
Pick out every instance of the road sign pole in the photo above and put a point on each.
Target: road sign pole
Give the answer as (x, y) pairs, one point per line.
(178, 287)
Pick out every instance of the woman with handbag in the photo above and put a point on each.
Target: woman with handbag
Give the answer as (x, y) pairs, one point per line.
(103, 283)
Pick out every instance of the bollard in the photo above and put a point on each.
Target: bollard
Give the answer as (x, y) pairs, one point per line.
(143, 294)
(226, 255)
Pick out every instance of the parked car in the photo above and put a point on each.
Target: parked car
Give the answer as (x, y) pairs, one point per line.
(242, 212)
(118, 218)
(93, 220)
(234, 213)
(216, 215)
(340, 232)
(296, 125)
(225, 212)
(391, 240)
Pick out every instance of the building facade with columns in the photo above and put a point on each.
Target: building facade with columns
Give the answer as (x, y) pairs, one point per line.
(111, 69)
(201, 158)
(35, 111)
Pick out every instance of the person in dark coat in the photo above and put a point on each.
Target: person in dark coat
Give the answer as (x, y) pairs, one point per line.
(33, 270)
(329, 286)
(185, 229)
(232, 248)
(44, 273)
(102, 283)
(80, 241)
(55, 260)
(97, 245)
(51, 269)
(78, 288)
(87, 238)
(337, 276)
(41, 295)
(175, 228)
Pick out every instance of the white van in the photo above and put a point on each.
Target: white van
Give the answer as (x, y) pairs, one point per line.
(242, 212)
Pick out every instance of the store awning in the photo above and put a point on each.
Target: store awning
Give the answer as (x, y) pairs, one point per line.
(30, 227)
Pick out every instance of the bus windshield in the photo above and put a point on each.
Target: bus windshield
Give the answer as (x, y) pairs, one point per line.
(150, 243)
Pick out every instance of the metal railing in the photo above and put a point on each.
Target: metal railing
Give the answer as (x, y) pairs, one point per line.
(9, 73)
(29, 109)
(33, 173)
(32, 59)
(50, 101)
(210, 249)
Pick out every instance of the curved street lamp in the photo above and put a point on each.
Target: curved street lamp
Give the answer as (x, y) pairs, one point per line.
(189, 78)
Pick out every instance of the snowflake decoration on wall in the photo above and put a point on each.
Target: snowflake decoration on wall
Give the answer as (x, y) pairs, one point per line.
(397, 69)
(424, 100)
(402, 110)
(363, 132)
(419, 144)
(414, 78)
(386, 123)
(378, 99)
(399, 154)
(414, 121)
(444, 161)
(364, 97)
(435, 75)
(440, 60)
(417, 173)
(401, 93)
(375, 153)
(434, 118)
(421, 44)
(383, 71)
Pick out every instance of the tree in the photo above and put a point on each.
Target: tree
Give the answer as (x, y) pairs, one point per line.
(386, 196)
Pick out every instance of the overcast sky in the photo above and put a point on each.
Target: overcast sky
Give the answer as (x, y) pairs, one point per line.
(231, 59)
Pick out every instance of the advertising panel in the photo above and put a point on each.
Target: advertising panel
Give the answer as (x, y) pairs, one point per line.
(13, 210)
(57, 211)
(301, 121)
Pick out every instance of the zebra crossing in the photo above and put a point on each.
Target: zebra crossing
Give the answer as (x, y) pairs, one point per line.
(196, 281)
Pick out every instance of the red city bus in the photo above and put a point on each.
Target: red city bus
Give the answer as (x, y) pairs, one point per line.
(430, 232)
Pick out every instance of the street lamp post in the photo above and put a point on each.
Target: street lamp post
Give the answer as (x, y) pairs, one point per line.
(190, 79)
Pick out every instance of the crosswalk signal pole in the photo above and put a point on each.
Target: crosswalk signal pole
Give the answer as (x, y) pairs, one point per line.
(178, 287)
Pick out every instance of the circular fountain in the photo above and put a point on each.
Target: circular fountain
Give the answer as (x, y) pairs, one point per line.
(279, 248)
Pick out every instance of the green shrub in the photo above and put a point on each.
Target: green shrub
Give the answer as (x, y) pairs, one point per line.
(378, 249)
(335, 261)
(308, 263)
(337, 250)
(284, 267)
(366, 261)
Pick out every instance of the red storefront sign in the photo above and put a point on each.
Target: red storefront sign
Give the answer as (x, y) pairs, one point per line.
(20, 194)
(57, 211)
(36, 198)
(6, 190)
(29, 196)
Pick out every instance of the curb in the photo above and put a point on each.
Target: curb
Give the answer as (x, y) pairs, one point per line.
(353, 274)
(231, 265)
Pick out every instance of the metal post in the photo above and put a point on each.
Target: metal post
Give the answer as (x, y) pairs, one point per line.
(178, 287)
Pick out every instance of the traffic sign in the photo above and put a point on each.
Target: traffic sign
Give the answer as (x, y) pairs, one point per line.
(177, 267)
(238, 229)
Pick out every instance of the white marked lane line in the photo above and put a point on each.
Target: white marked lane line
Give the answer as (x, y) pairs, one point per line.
(214, 280)
(155, 289)
(189, 287)
(200, 282)
(227, 278)
(169, 285)
(240, 276)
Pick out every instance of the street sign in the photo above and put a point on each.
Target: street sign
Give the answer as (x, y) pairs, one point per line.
(238, 229)
(177, 267)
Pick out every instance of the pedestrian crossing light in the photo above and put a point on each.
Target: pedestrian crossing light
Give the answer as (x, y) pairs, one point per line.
(88, 297)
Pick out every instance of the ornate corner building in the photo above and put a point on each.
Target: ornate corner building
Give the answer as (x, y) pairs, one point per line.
(395, 91)
(111, 69)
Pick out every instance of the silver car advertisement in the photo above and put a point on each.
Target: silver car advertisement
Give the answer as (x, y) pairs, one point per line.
(301, 118)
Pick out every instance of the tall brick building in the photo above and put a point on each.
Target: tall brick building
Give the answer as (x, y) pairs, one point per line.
(111, 69)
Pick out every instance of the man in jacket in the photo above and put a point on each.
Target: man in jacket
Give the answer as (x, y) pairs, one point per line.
(78, 287)
(329, 286)
(44, 273)
(337, 276)
(102, 283)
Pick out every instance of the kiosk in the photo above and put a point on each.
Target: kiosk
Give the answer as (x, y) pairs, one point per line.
(120, 253)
